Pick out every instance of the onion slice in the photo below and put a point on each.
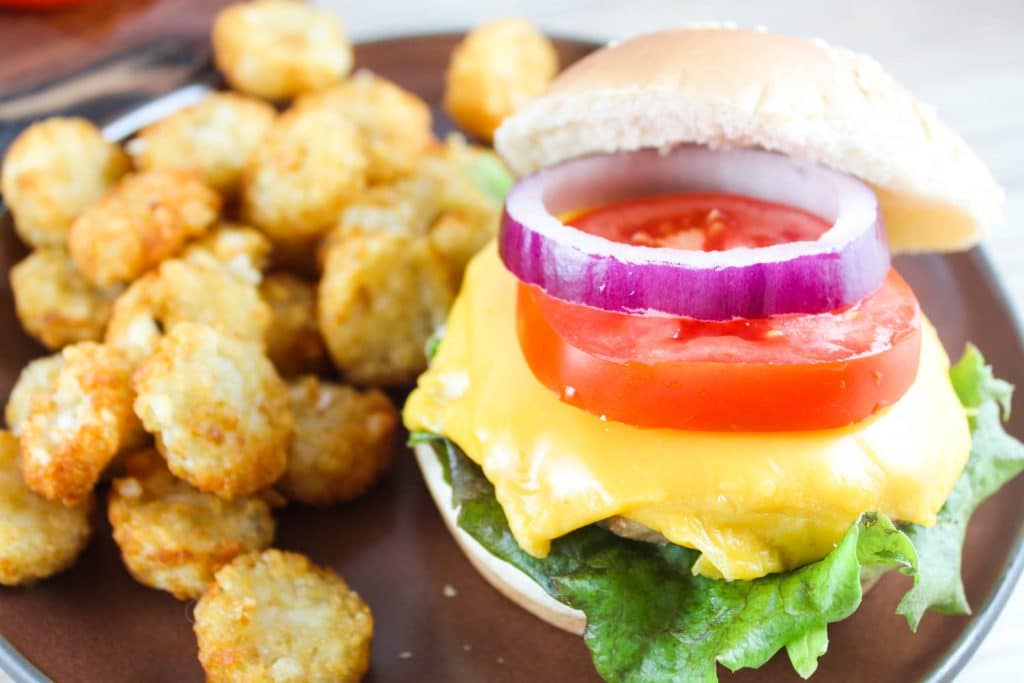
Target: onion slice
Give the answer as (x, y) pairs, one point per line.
(845, 264)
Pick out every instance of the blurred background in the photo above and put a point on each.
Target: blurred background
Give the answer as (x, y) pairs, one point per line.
(964, 57)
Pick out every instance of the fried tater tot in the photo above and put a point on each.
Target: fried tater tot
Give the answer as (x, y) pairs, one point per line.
(52, 171)
(444, 200)
(173, 537)
(55, 304)
(293, 339)
(243, 251)
(199, 290)
(35, 379)
(145, 219)
(38, 537)
(77, 426)
(218, 410)
(310, 166)
(215, 137)
(343, 441)
(278, 49)
(381, 297)
(470, 210)
(394, 123)
(495, 70)
(276, 616)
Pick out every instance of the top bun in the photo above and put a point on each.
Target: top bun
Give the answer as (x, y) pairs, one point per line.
(725, 87)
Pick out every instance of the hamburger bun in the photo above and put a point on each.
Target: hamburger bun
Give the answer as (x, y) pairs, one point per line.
(725, 87)
(508, 580)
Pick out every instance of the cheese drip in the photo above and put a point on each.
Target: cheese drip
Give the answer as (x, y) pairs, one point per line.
(751, 503)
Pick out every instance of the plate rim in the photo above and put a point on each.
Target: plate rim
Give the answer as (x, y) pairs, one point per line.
(980, 622)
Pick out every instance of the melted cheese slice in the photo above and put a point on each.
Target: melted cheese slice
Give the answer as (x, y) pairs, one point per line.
(751, 503)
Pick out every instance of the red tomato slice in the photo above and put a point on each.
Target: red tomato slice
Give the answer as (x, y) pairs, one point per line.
(784, 373)
(700, 221)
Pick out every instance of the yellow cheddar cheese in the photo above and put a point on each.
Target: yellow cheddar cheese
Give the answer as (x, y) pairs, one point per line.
(751, 503)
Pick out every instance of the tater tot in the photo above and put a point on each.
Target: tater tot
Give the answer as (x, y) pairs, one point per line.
(76, 427)
(52, 171)
(276, 616)
(145, 219)
(199, 291)
(381, 297)
(343, 441)
(55, 304)
(35, 379)
(293, 338)
(495, 70)
(394, 123)
(311, 165)
(470, 210)
(215, 137)
(38, 538)
(242, 251)
(443, 200)
(218, 410)
(278, 49)
(173, 537)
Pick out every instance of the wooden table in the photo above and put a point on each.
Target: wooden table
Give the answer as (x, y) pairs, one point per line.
(967, 59)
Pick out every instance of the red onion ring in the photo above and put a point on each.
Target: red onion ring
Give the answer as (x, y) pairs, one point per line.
(848, 262)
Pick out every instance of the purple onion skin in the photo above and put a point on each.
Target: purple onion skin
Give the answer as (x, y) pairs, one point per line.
(813, 282)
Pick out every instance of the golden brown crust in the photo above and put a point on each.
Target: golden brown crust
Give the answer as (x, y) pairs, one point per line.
(495, 70)
(393, 122)
(217, 408)
(52, 171)
(343, 441)
(196, 288)
(55, 304)
(293, 338)
(38, 538)
(381, 297)
(726, 87)
(440, 201)
(278, 617)
(75, 428)
(277, 49)
(173, 537)
(145, 219)
(242, 251)
(35, 379)
(215, 137)
(312, 164)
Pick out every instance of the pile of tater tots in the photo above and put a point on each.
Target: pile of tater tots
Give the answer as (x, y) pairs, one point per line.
(225, 295)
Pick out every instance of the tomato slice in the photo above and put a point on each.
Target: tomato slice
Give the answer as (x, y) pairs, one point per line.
(783, 373)
(700, 221)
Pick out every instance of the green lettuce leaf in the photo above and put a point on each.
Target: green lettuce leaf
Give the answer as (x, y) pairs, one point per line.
(996, 457)
(805, 650)
(649, 617)
(490, 175)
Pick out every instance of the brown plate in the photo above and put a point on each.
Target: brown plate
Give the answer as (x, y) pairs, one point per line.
(94, 623)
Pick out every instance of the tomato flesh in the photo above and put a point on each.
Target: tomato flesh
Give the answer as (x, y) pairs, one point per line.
(700, 221)
(782, 373)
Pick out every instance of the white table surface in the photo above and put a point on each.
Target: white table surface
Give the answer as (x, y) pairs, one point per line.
(964, 57)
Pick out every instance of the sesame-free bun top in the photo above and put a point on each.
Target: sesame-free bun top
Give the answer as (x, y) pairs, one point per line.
(725, 87)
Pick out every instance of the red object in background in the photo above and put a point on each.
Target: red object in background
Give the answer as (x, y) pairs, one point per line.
(39, 4)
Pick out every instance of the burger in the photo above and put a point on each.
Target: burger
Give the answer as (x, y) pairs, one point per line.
(684, 406)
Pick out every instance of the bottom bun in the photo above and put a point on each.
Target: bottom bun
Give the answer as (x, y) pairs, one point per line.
(510, 581)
